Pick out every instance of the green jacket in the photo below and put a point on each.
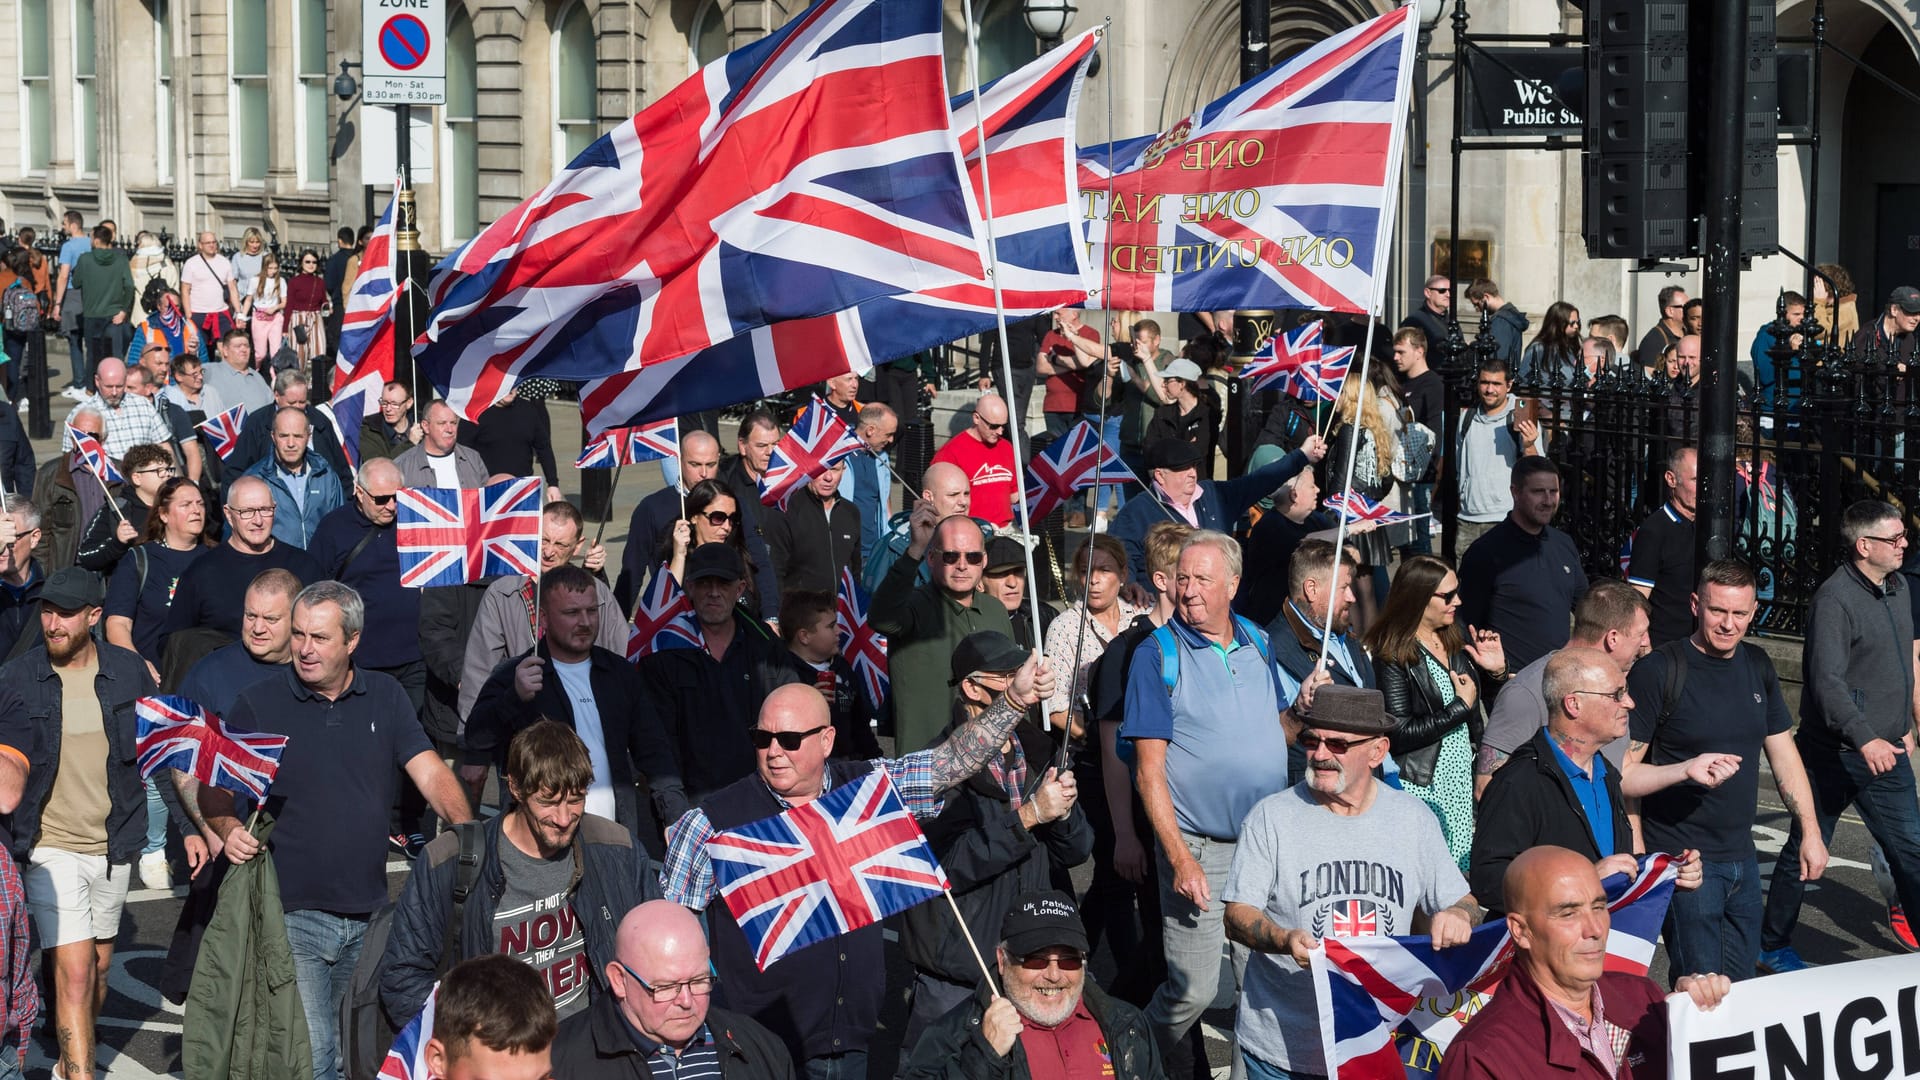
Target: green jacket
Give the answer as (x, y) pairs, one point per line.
(923, 626)
(105, 281)
(244, 1019)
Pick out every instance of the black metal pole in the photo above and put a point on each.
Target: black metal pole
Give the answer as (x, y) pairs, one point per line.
(1255, 18)
(1813, 156)
(1453, 369)
(1726, 45)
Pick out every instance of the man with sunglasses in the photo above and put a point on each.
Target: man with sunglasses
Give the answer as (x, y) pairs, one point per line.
(1559, 789)
(1338, 855)
(660, 1019)
(1856, 717)
(985, 455)
(391, 430)
(1052, 1021)
(1436, 301)
(824, 1000)
(1665, 333)
(357, 545)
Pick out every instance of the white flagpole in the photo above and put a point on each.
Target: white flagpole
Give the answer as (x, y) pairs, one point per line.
(1000, 318)
(1381, 244)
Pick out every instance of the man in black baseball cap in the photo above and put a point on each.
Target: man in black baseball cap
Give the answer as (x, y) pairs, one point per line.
(1005, 580)
(1050, 1022)
(1892, 333)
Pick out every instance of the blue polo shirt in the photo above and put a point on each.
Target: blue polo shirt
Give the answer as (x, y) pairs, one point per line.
(1226, 749)
(1591, 789)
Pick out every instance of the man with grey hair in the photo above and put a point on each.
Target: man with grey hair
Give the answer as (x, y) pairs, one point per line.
(868, 481)
(1209, 718)
(21, 577)
(291, 390)
(69, 495)
(438, 459)
(212, 593)
(351, 731)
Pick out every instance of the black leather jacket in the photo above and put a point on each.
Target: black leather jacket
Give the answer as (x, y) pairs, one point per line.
(1420, 720)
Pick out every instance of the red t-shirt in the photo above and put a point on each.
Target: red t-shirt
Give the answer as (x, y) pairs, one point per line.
(1075, 1050)
(989, 469)
(1065, 387)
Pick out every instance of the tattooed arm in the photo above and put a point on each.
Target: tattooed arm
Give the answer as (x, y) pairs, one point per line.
(1485, 764)
(1790, 776)
(1251, 927)
(962, 753)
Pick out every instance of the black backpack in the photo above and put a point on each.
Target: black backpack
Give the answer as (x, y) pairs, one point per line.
(365, 1033)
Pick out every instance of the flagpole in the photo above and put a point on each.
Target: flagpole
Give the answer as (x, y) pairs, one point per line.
(108, 492)
(1381, 242)
(601, 532)
(968, 934)
(1000, 320)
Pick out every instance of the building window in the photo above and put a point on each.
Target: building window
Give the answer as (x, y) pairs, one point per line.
(247, 51)
(36, 92)
(709, 37)
(310, 84)
(460, 147)
(163, 101)
(86, 89)
(575, 85)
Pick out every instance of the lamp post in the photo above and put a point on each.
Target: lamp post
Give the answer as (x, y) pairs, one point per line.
(1048, 19)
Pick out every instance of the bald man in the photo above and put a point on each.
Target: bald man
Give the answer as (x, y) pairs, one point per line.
(356, 545)
(1559, 1009)
(661, 1008)
(305, 487)
(985, 455)
(130, 419)
(438, 459)
(868, 481)
(212, 593)
(653, 517)
(945, 490)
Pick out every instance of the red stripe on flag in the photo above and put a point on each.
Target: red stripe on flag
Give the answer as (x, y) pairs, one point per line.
(1383, 989)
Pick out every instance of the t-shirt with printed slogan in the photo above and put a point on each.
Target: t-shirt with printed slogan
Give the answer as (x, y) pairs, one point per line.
(535, 923)
(1308, 868)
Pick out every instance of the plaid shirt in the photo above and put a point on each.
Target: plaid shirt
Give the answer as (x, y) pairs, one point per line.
(23, 997)
(688, 875)
(136, 421)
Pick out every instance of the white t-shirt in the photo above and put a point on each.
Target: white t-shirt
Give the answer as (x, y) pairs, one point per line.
(578, 682)
(446, 472)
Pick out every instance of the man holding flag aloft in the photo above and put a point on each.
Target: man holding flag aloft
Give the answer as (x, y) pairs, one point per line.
(822, 999)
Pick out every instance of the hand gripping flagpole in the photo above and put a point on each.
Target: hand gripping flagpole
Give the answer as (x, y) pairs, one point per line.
(1000, 318)
(1381, 244)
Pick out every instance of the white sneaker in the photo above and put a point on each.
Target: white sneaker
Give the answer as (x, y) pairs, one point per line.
(153, 871)
(74, 393)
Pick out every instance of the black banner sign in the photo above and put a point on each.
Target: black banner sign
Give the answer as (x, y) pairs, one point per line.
(1525, 91)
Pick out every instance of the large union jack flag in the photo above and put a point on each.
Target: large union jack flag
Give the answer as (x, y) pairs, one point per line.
(452, 536)
(407, 1058)
(1321, 380)
(1357, 507)
(93, 455)
(801, 175)
(172, 732)
(1279, 195)
(223, 430)
(631, 445)
(1074, 462)
(1029, 118)
(816, 442)
(1375, 992)
(843, 861)
(663, 619)
(864, 647)
(1283, 353)
(366, 327)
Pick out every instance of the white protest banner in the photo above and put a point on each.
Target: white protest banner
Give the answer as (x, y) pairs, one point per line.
(1850, 1020)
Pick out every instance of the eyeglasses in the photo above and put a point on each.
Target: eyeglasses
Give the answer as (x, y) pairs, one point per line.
(1448, 596)
(385, 404)
(1310, 742)
(974, 558)
(698, 986)
(716, 518)
(1891, 541)
(1618, 696)
(250, 512)
(156, 470)
(788, 740)
(1069, 961)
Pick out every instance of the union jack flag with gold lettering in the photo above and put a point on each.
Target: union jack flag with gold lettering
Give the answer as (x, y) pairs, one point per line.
(452, 536)
(173, 732)
(663, 619)
(813, 445)
(1282, 353)
(829, 867)
(1074, 462)
(864, 647)
(795, 177)
(1279, 195)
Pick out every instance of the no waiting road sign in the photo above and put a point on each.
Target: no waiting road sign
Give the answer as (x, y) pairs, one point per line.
(404, 50)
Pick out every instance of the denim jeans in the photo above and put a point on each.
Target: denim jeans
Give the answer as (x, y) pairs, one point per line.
(1203, 967)
(156, 820)
(10, 1063)
(1266, 1070)
(851, 1065)
(325, 947)
(1717, 926)
(1887, 803)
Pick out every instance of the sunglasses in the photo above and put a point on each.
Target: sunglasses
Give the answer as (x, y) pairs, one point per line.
(1448, 596)
(716, 519)
(974, 558)
(380, 500)
(1072, 961)
(788, 740)
(1311, 742)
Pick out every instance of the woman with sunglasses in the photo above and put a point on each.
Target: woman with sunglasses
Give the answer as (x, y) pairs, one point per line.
(713, 517)
(112, 531)
(1430, 672)
(307, 311)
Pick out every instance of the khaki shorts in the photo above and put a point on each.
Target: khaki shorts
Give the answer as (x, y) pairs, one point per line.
(74, 897)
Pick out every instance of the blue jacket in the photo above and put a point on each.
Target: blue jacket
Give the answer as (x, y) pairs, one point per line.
(1220, 504)
(866, 484)
(121, 681)
(294, 523)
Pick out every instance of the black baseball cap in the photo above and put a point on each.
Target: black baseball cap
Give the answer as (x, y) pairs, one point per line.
(1040, 920)
(1005, 554)
(72, 588)
(985, 650)
(1907, 299)
(1173, 453)
(713, 561)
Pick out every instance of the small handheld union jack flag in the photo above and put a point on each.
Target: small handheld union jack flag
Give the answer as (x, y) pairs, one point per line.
(817, 441)
(864, 647)
(223, 430)
(173, 732)
(1283, 353)
(826, 868)
(1321, 380)
(94, 456)
(351, 406)
(1357, 507)
(1074, 462)
(663, 619)
(452, 536)
(407, 1059)
(631, 445)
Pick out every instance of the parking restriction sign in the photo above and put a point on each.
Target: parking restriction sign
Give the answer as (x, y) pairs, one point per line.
(403, 49)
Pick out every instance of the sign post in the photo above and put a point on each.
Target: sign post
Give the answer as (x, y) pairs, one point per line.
(404, 55)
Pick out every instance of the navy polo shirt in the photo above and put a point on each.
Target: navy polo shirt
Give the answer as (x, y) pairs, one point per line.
(338, 778)
(1661, 559)
(1523, 586)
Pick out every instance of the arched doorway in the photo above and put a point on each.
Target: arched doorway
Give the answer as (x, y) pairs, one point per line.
(1879, 148)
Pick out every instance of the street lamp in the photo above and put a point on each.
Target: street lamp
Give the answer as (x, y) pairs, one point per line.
(1049, 19)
